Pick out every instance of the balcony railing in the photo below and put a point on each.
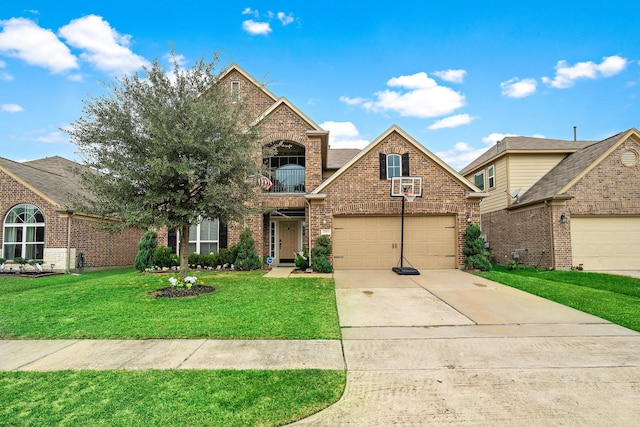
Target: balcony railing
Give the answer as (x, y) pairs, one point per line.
(287, 179)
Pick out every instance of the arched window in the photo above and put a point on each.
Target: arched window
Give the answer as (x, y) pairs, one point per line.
(23, 234)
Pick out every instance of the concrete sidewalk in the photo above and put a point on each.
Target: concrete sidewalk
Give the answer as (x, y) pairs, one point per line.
(451, 348)
(53, 355)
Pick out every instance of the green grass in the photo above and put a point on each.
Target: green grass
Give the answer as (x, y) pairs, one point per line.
(165, 398)
(611, 297)
(114, 304)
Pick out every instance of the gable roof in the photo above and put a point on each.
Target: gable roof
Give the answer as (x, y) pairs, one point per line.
(573, 167)
(51, 178)
(395, 128)
(523, 144)
(239, 69)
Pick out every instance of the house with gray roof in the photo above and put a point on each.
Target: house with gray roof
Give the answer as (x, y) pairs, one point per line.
(562, 204)
(39, 223)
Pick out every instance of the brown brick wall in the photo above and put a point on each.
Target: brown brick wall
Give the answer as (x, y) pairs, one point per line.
(101, 249)
(256, 99)
(359, 190)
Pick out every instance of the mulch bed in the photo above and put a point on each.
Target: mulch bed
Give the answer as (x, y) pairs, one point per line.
(170, 292)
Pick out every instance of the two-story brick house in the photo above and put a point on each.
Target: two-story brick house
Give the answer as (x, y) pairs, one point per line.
(346, 193)
(559, 204)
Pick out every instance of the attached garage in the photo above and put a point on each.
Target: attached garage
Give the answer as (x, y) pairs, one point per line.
(606, 243)
(373, 242)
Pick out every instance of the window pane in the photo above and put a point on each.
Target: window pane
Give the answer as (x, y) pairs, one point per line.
(10, 235)
(193, 233)
(34, 252)
(207, 248)
(479, 180)
(12, 251)
(209, 230)
(192, 248)
(393, 165)
(39, 234)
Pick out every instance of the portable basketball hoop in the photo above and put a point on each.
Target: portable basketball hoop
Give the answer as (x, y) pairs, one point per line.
(407, 187)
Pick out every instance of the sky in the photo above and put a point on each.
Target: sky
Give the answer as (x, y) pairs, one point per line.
(457, 76)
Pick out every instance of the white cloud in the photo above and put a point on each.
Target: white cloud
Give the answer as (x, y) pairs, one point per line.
(53, 138)
(11, 108)
(492, 138)
(284, 18)
(104, 47)
(352, 101)
(453, 76)
(518, 88)
(421, 97)
(249, 11)
(23, 39)
(460, 155)
(4, 75)
(344, 135)
(567, 75)
(452, 121)
(256, 28)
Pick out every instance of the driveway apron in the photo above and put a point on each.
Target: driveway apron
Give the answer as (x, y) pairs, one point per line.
(450, 348)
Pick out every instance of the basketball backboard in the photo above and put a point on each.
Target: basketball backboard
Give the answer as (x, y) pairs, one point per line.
(409, 187)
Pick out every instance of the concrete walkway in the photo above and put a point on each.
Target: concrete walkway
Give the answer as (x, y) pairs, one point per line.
(450, 348)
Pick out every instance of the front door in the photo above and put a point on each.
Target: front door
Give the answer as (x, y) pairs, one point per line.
(289, 240)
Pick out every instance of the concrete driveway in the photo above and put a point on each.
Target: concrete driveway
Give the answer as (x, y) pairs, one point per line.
(450, 348)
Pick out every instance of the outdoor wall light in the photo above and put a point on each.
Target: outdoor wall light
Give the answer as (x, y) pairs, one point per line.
(324, 220)
(563, 218)
(468, 216)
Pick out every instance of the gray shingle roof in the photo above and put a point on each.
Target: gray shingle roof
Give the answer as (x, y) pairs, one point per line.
(569, 168)
(52, 177)
(524, 143)
(337, 157)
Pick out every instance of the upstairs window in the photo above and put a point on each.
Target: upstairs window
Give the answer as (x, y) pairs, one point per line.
(392, 165)
(235, 91)
(478, 180)
(491, 176)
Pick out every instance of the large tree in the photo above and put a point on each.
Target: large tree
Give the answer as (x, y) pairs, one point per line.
(168, 149)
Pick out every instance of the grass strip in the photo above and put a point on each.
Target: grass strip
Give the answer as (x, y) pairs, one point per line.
(165, 398)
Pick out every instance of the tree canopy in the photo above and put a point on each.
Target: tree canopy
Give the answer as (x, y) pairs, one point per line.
(166, 149)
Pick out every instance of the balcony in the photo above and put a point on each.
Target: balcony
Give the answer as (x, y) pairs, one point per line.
(287, 179)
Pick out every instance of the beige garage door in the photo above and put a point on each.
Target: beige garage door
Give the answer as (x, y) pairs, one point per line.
(605, 243)
(374, 242)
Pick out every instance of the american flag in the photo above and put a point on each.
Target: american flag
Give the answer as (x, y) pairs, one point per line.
(264, 182)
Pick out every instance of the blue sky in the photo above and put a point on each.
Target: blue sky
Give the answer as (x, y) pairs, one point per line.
(457, 75)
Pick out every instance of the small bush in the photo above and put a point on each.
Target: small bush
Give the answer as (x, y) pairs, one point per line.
(247, 258)
(146, 250)
(302, 259)
(164, 257)
(476, 254)
(320, 255)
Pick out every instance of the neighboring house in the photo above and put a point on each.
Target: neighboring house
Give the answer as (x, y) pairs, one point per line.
(38, 225)
(562, 204)
(346, 193)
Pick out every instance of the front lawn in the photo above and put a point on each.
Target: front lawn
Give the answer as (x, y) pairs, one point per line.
(165, 398)
(611, 297)
(115, 305)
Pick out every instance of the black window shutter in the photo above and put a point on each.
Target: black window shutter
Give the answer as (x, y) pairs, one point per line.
(405, 164)
(383, 166)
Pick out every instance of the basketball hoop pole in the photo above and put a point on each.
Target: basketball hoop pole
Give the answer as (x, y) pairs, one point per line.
(404, 271)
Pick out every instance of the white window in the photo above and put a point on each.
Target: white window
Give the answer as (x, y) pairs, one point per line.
(491, 176)
(394, 165)
(478, 180)
(23, 233)
(235, 91)
(204, 238)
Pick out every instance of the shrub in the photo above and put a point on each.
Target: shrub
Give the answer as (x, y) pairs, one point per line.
(163, 257)
(194, 259)
(302, 259)
(476, 254)
(320, 255)
(247, 258)
(209, 260)
(146, 250)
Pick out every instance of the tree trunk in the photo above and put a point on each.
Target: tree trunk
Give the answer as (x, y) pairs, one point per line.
(184, 251)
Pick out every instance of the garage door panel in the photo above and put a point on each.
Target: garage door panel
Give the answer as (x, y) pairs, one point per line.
(606, 243)
(374, 242)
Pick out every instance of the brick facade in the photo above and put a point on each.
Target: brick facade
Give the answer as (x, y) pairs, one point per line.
(99, 248)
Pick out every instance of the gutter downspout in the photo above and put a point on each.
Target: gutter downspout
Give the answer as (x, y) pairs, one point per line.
(309, 233)
(67, 268)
